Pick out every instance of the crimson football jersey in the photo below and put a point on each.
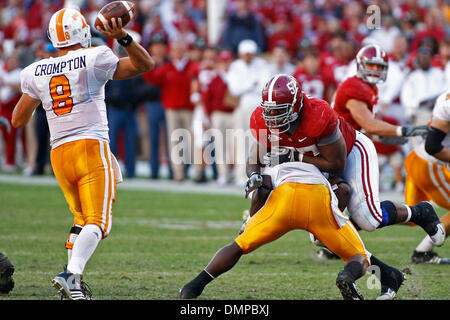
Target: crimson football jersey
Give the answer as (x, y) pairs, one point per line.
(312, 84)
(317, 121)
(358, 89)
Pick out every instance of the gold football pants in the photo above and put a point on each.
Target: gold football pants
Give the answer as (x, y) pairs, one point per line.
(85, 174)
(294, 206)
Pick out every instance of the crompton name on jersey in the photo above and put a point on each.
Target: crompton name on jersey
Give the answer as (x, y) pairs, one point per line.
(60, 67)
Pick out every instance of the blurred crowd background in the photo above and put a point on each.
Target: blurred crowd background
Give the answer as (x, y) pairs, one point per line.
(198, 85)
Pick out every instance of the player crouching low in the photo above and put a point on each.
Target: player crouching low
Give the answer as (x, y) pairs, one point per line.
(301, 198)
(71, 90)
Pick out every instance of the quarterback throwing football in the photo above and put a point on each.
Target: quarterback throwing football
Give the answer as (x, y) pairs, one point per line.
(71, 90)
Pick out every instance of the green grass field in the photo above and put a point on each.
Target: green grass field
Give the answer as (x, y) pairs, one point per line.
(161, 240)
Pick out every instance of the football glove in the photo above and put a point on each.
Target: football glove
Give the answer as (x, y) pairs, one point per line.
(6, 272)
(253, 183)
(390, 140)
(280, 155)
(411, 131)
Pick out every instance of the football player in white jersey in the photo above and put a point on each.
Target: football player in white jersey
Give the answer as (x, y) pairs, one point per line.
(428, 175)
(71, 89)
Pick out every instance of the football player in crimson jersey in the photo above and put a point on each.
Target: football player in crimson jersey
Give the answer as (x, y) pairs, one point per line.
(357, 95)
(308, 130)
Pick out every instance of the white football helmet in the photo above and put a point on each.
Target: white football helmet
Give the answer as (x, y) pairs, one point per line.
(68, 27)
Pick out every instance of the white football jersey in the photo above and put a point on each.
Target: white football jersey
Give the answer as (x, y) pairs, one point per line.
(72, 91)
(441, 111)
(304, 173)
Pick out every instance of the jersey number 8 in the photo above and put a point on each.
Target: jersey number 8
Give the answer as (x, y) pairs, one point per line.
(60, 93)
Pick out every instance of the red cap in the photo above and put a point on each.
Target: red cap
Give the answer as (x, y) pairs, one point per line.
(226, 55)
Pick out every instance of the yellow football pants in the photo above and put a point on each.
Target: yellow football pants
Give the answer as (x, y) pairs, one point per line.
(294, 206)
(426, 181)
(85, 174)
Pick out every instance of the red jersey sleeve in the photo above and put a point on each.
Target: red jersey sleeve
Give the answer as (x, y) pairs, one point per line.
(321, 121)
(259, 129)
(355, 88)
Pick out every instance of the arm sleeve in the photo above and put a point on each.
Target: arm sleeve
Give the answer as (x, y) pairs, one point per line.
(331, 138)
(26, 86)
(105, 64)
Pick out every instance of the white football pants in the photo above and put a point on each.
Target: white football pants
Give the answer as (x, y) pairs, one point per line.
(362, 173)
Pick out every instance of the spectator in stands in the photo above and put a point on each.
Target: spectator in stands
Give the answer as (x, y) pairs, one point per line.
(434, 27)
(221, 116)
(9, 95)
(444, 53)
(156, 116)
(385, 36)
(174, 78)
(202, 111)
(400, 52)
(242, 24)
(283, 33)
(309, 75)
(153, 28)
(123, 98)
(279, 61)
(246, 78)
(392, 156)
(41, 129)
(421, 87)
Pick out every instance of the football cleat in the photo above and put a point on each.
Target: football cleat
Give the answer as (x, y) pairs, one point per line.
(430, 257)
(187, 292)
(326, 254)
(391, 280)
(348, 287)
(69, 286)
(430, 222)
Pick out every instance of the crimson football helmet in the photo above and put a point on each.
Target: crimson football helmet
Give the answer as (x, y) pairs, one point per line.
(372, 54)
(282, 100)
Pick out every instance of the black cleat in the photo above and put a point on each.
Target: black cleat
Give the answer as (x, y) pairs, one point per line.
(187, 292)
(348, 287)
(391, 280)
(6, 273)
(430, 257)
(430, 222)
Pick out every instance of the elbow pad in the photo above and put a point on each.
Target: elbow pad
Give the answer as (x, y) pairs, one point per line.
(433, 142)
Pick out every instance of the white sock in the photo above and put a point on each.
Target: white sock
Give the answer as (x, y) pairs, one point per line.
(72, 238)
(84, 247)
(425, 245)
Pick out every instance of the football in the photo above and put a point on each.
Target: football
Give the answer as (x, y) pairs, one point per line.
(116, 9)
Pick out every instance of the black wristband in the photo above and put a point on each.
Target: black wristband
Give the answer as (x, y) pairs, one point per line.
(125, 41)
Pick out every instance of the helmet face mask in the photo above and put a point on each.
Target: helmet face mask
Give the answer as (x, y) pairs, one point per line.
(279, 103)
(277, 121)
(68, 27)
(372, 55)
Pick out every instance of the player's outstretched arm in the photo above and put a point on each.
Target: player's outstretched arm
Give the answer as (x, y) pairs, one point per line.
(138, 60)
(433, 144)
(24, 110)
(365, 118)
